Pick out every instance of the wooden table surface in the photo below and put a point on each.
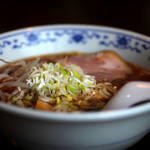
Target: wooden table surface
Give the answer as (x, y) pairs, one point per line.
(129, 14)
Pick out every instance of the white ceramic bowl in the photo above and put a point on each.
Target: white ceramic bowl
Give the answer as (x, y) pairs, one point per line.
(32, 129)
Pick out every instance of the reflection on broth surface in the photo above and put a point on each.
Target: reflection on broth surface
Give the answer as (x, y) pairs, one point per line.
(67, 82)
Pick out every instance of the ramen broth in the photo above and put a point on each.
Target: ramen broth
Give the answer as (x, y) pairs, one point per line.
(52, 84)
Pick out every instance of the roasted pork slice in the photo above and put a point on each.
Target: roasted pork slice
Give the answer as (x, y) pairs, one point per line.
(105, 65)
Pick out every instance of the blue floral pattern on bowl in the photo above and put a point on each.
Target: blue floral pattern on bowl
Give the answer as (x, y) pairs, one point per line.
(102, 37)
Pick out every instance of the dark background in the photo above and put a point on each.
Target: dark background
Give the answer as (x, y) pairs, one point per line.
(127, 14)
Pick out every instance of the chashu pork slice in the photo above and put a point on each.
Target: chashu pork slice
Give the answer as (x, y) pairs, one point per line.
(105, 65)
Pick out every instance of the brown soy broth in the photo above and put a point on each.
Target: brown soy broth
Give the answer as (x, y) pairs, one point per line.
(139, 74)
(93, 104)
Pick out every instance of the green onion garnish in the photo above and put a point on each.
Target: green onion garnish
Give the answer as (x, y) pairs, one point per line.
(59, 82)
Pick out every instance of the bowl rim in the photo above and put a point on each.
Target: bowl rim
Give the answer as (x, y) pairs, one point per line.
(80, 26)
(97, 116)
(75, 116)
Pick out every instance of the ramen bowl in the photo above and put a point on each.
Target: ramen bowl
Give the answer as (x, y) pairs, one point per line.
(100, 130)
